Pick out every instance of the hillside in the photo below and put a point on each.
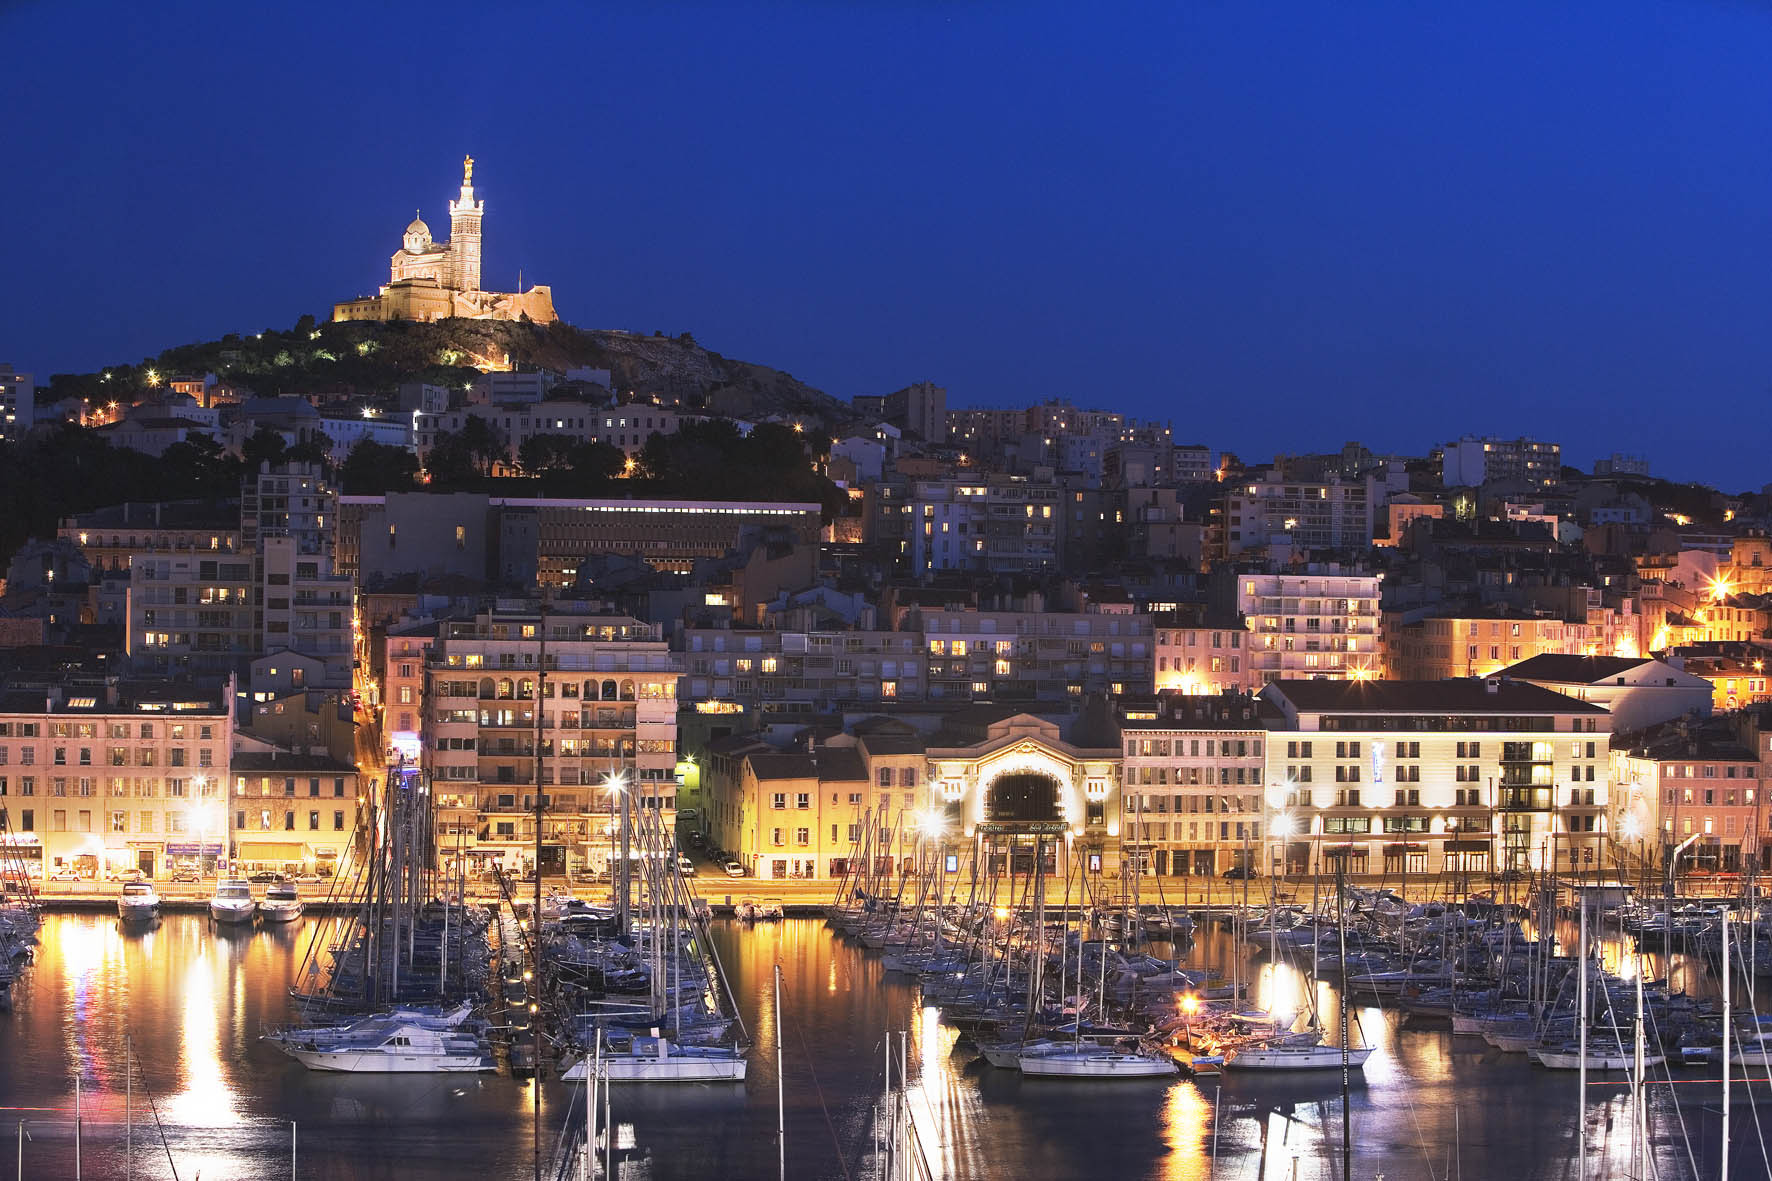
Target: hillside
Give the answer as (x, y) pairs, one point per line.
(372, 358)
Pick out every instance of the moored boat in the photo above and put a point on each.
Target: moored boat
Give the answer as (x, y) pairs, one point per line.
(233, 902)
(138, 903)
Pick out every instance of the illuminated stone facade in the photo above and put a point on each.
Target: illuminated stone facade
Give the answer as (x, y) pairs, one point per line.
(431, 280)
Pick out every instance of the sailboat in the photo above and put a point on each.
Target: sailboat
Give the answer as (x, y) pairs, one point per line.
(1302, 1050)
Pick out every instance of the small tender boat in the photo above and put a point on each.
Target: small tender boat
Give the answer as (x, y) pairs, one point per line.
(233, 902)
(660, 1060)
(138, 903)
(281, 904)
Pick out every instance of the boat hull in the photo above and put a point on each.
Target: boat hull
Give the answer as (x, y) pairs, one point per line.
(1314, 1058)
(621, 1068)
(1105, 1066)
(369, 1062)
(274, 912)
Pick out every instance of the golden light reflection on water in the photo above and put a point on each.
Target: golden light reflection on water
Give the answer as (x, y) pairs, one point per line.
(1186, 1126)
(206, 1097)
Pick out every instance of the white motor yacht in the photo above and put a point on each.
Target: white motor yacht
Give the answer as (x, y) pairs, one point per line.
(281, 904)
(391, 1047)
(138, 903)
(232, 901)
(659, 1060)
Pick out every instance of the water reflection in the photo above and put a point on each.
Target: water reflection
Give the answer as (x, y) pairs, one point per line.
(194, 998)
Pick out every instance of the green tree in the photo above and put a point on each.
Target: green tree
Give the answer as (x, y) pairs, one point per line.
(375, 469)
(265, 445)
(486, 444)
(450, 464)
(544, 453)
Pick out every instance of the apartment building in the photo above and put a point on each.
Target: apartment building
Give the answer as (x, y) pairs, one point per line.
(1463, 775)
(399, 694)
(1193, 464)
(593, 695)
(1321, 622)
(1201, 653)
(111, 537)
(801, 813)
(101, 774)
(1431, 643)
(1193, 783)
(1476, 460)
(1035, 656)
(625, 427)
(1689, 779)
(294, 811)
(985, 523)
(18, 403)
(767, 669)
(1333, 514)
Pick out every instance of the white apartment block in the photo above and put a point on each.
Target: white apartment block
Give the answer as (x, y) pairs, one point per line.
(1193, 784)
(608, 702)
(1336, 514)
(1404, 777)
(98, 775)
(1322, 622)
(627, 427)
(1473, 461)
(991, 524)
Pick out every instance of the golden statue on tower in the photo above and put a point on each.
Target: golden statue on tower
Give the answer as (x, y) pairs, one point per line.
(467, 170)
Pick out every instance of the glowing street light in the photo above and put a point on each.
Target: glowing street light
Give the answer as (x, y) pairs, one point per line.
(1631, 826)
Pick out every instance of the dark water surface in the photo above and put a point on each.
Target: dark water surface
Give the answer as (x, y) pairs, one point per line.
(193, 999)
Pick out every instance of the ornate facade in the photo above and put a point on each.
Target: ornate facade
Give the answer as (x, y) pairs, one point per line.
(431, 280)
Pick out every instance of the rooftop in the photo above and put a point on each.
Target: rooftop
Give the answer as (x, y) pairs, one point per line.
(1457, 695)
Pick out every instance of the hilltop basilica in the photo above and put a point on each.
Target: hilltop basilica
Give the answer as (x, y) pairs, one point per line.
(431, 280)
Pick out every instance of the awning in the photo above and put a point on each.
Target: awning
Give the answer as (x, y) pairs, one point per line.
(1467, 846)
(272, 850)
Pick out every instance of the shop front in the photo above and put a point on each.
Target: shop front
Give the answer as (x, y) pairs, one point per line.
(253, 856)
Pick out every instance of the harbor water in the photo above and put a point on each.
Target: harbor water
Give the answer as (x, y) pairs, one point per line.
(213, 1101)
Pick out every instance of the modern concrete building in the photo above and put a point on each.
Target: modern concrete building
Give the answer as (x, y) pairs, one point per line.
(1473, 461)
(1319, 622)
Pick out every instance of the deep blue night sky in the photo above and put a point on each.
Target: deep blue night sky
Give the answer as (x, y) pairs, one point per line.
(1282, 226)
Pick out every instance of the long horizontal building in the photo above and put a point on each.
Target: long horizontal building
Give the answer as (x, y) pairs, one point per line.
(1434, 776)
(543, 541)
(99, 774)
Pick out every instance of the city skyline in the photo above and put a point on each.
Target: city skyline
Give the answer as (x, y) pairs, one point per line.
(1379, 225)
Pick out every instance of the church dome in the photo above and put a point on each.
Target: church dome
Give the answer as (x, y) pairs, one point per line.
(418, 236)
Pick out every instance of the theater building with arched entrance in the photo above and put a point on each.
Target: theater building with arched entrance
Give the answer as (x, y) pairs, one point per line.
(1002, 784)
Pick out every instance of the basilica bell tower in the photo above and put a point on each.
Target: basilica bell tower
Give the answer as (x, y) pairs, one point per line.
(464, 233)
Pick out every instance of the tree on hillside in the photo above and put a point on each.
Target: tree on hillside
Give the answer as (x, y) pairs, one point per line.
(375, 469)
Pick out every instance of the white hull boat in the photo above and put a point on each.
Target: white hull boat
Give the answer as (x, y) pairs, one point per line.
(1569, 1058)
(281, 904)
(392, 1048)
(233, 902)
(1284, 1057)
(138, 904)
(657, 1060)
(1097, 1063)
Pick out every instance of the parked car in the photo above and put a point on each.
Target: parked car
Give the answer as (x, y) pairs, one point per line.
(686, 866)
(733, 869)
(264, 876)
(186, 875)
(65, 875)
(1241, 873)
(307, 879)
